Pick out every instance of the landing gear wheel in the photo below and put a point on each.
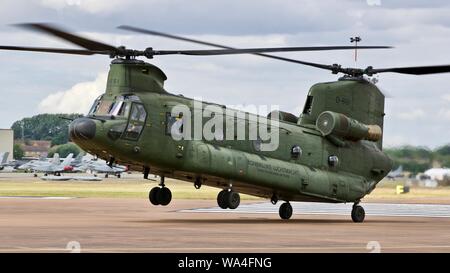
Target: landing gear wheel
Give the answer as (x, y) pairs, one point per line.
(358, 214)
(233, 199)
(222, 199)
(164, 196)
(152, 196)
(285, 211)
(106, 175)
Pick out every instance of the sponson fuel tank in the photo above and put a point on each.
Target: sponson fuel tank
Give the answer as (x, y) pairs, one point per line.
(286, 178)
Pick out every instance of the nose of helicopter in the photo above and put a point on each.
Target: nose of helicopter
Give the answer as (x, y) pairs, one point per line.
(82, 128)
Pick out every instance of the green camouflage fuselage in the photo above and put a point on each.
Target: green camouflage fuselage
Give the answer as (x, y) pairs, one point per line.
(221, 163)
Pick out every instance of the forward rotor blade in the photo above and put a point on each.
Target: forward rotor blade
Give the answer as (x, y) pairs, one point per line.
(334, 68)
(54, 50)
(67, 36)
(156, 33)
(415, 70)
(209, 52)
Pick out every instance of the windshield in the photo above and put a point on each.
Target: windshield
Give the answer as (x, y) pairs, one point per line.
(120, 106)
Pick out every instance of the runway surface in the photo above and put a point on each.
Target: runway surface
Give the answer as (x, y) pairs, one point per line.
(133, 225)
(372, 209)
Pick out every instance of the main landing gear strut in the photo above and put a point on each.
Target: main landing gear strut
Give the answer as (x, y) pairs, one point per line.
(358, 213)
(160, 195)
(228, 199)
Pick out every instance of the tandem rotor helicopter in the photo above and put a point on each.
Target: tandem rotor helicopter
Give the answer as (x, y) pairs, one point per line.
(331, 153)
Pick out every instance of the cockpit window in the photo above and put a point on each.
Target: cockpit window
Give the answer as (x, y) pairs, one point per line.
(104, 108)
(120, 106)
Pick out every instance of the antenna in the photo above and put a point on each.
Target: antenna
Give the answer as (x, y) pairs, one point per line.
(355, 40)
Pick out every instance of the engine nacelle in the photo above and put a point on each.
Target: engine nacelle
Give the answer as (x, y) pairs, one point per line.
(332, 123)
(283, 116)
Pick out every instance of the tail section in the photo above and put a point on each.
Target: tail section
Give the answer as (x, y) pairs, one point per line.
(4, 158)
(357, 99)
(67, 160)
(77, 160)
(55, 160)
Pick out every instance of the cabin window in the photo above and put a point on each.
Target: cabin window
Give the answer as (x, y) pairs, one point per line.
(120, 108)
(333, 161)
(296, 151)
(174, 125)
(308, 105)
(136, 121)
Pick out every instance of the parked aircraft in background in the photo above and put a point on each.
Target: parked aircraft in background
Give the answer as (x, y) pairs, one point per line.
(3, 160)
(54, 167)
(28, 166)
(100, 166)
(396, 173)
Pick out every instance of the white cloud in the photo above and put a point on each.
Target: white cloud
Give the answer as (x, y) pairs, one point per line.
(444, 114)
(412, 115)
(419, 30)
(77, 99)
(90, 6)
(395, 141)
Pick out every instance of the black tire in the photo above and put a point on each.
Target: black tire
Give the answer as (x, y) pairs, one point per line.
(222, 199)
(118, 175)
(106, 175)
(153, 196)
(358, 214)
(285, 211)
(164, 196)
(233, 200)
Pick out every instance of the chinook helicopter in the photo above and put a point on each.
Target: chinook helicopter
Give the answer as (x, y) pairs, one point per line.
(331, 153)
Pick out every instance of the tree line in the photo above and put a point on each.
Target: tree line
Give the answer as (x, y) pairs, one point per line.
(49, 127)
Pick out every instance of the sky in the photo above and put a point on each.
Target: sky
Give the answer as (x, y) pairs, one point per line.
(417, 107)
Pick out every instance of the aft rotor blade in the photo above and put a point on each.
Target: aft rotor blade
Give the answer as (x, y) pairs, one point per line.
(67, 36)
(209, 52)
(54, 50)
(415, 70)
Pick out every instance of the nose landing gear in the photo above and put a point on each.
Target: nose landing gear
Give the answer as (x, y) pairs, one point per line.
(160, 195)
(358, 213)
